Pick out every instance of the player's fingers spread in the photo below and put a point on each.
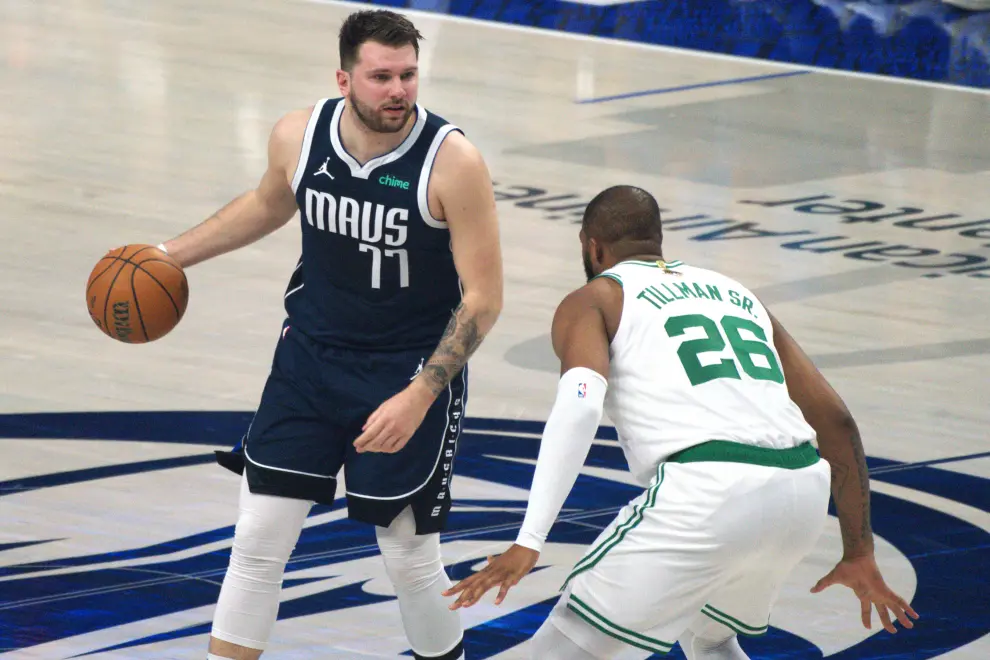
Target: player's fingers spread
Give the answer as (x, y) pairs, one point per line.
(502, 593)
(457, 588)
(467, 593)
(518, 575)
(900, 610)
(902, 617)
(865, 611)
(472, 596)
(472, 581)
(465, 587)
(489, 579)
(824, 583)
(469, 584)
(885, 618)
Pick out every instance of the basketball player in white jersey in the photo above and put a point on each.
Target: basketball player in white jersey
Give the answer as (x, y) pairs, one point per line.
(716, 409)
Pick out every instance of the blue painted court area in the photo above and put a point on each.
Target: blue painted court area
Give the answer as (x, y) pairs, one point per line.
(914, 39)
(90, 593)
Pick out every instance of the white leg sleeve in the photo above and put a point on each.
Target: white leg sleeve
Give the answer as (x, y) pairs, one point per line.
(266, 533)
(550, 644)
(583, 639)
(414, 566)
(711, 640)
(686, 642)
(726, 649)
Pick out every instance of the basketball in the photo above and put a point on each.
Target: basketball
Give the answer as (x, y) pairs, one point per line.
(136, 294)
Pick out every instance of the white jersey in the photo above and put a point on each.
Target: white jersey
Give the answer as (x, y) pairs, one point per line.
(693, 360)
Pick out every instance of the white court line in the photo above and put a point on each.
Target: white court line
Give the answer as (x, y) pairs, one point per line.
(785, 66)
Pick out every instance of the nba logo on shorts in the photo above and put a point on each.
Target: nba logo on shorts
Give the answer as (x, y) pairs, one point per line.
(582, 390)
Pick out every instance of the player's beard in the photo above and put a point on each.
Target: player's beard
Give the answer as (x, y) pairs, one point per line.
(375, 119)
(588, 270)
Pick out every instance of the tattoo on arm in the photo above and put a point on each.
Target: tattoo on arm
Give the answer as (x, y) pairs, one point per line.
(460, 340)
(854, 520)
(864, 484)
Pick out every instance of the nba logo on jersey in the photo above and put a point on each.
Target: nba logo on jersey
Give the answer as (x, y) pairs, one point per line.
(582, 390)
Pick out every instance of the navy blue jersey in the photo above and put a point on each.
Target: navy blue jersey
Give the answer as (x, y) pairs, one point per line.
(376, 271)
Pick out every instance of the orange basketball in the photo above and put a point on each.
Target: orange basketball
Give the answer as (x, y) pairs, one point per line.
(137, 293)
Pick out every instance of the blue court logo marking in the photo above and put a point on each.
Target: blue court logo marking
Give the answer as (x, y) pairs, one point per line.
(91, 593)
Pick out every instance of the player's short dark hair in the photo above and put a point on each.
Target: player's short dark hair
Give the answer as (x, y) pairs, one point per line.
(379, 25)
(623, 214)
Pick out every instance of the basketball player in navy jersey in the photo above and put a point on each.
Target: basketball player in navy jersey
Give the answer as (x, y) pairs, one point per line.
(399, 281)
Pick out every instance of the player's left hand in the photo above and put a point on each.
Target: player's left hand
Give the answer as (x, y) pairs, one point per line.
(862, 575)
(505, 570)
(389, 428)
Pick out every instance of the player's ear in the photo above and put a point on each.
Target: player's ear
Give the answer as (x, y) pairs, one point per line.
(343, 82)
(598, 250)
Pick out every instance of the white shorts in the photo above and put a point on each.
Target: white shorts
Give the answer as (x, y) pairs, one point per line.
(706, 539)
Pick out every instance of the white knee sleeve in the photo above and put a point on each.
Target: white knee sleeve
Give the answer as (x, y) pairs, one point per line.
(583, 639)
(414, 566)
(711, 640)
(724, 649)
(686, 642)
(550, 644)
(266, 533)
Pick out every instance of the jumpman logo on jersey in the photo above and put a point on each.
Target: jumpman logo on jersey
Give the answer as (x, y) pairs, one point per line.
(419, 369)
(323, 169)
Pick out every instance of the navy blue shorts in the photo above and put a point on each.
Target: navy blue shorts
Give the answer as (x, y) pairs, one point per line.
(315, 402)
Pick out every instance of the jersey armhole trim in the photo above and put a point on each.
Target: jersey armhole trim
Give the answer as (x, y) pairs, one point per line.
(611, 276)
(424, 177)
(307, 144)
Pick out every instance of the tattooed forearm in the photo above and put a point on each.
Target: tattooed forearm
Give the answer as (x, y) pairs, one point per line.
(863, 475)
(851, 491)
(460, 340)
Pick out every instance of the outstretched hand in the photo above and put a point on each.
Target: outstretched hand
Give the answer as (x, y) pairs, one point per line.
(504, 570)
(862, 575)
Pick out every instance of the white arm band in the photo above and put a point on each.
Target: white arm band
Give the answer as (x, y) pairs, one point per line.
(566, 441)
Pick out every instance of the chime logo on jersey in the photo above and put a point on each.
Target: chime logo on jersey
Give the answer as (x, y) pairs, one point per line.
(362, 221)
(74, 605)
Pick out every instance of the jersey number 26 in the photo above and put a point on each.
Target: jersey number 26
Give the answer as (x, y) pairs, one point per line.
(745, 350)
